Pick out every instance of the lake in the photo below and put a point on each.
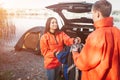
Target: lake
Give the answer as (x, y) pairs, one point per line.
(21, 25)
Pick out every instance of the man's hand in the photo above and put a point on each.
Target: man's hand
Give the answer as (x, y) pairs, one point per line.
(75, 47)
(77, 40)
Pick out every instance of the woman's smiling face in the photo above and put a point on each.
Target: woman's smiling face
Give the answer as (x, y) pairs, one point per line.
(53, 24)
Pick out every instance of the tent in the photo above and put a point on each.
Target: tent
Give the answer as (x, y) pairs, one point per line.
(30, 40)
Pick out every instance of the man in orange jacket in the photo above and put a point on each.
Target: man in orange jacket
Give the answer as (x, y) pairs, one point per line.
(100, 56)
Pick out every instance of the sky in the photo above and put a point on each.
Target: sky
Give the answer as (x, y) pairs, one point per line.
(43, 3)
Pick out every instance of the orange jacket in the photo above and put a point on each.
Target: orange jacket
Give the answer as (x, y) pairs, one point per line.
(49, 44)
(100, 57)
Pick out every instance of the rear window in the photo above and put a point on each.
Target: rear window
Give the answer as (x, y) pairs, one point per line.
(73, 15)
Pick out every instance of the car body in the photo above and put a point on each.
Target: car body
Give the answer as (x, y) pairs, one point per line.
(76, 17)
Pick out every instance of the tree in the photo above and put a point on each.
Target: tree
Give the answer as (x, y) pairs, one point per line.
(3, 18)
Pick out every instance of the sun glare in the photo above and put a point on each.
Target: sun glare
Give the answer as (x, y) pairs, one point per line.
(23, 3)
(42, 3)
(28, 3)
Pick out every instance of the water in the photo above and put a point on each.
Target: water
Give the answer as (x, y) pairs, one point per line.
(20, 25)
(117, 24)
(24, 24)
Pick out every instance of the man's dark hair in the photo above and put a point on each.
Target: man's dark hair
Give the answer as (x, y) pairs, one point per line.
(103, 6)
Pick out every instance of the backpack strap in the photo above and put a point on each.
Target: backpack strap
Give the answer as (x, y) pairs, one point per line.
(70, 67)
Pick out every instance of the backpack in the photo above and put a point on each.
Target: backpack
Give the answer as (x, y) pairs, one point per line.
(73, 72)
(70, 71)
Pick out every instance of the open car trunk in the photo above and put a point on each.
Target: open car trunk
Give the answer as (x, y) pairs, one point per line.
(75, 21)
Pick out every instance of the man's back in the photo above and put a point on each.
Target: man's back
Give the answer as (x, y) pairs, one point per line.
(112, 53)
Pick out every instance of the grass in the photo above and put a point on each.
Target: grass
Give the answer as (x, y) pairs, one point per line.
(6, 75)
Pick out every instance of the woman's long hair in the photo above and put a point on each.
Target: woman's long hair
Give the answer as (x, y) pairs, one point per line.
(47, 28)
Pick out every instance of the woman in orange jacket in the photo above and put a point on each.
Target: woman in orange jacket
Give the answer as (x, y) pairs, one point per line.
(51, 42)
(100, 57)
